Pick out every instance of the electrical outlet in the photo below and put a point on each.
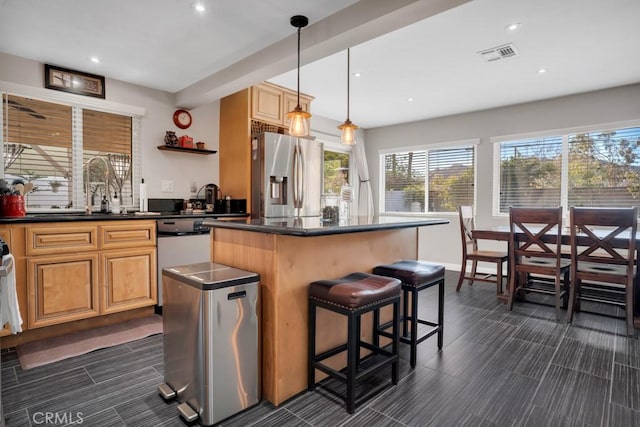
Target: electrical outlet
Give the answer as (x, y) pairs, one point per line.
(167, 186)
(194, 186)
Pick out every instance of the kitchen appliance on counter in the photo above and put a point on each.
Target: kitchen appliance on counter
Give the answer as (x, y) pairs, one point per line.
(212, 195)
(211, 341)
(286, 176)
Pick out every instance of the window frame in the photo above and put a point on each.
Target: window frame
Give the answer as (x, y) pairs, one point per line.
(564, 134)
(465, 143)
(78, 103)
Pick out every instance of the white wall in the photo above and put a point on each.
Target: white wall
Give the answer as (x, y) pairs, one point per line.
(157, 165)
(604, 106)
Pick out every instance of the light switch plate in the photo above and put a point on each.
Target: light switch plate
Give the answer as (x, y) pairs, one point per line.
(167, 186)
(194, 186)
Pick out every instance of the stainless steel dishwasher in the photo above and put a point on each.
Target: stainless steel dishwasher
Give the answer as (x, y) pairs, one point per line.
(211, 341)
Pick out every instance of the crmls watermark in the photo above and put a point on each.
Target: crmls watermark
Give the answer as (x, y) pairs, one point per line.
(44, 418)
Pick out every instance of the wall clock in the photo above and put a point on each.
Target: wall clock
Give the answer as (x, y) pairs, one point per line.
(182, 119)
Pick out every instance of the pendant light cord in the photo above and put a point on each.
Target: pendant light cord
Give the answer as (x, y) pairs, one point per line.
(299, 66)
(348, 78)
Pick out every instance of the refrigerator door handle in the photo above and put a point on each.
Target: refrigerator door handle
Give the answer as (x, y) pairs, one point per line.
(298, 176)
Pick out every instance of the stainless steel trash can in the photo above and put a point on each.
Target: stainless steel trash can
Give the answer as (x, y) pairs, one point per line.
(211, 342)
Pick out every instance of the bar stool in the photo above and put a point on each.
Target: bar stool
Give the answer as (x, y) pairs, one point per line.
(416, 276)
(353, 296)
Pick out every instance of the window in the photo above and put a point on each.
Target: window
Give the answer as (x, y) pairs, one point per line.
(428, 180)
(49, 144)
(598, 168)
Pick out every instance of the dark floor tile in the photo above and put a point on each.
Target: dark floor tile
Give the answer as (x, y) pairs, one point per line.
(9, 359)
(17, 419)
(148, 410)
(408, 402)
(9, 378)
(582, 356)
(499, 396)
(368, 418)
(96, 398)
(464, 359)
(538, 417)
(488, 332)
(572, 394)
(585, 323)
(625, 389)
(251, 416)
(281, 418)
(36, 392)
(540, 331)
(502, 314)
(151, 343)
(627, 352)
(136, 360)
(620, 416)
(524, 358)
(108, 418)
(101, 356)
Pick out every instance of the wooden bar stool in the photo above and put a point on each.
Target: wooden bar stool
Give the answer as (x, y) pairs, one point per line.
(353, 296)
(416, 276)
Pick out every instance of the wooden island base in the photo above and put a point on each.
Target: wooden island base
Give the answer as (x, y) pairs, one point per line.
(287, 264)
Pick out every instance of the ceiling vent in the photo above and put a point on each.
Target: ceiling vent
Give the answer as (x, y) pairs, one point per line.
(499, 52)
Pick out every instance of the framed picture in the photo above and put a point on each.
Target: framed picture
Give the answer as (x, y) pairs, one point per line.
(73, 81)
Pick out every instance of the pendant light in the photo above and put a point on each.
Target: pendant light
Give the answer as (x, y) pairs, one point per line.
(348, 129)
(299, 119)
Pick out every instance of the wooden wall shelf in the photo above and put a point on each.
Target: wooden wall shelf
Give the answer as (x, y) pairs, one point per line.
(185, 150)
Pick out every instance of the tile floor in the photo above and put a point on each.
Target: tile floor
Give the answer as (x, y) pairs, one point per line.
(497, 368)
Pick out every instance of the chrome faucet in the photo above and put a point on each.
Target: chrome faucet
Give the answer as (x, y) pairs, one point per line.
(87, 167)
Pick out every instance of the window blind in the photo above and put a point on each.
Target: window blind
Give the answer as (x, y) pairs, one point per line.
(451, 178)
(404, 181)
(530, 173)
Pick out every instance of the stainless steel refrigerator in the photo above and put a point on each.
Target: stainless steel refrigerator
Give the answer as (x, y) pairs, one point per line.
(286, 176)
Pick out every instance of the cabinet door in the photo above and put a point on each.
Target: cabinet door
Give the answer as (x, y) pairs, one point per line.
(129, 279)
(267, 104)
(61, 288)
(5, 234)
(290, 103)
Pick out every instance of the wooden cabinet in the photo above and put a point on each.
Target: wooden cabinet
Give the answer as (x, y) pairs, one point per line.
(62, 288)
(126, 275)
(271, 103)
(98, 268)
(260, 108)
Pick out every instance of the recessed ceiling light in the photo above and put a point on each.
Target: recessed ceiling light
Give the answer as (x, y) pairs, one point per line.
(356, 74)
(95, 59)
(542, 70)
(513, 27)
(199, 7)
(410, 99)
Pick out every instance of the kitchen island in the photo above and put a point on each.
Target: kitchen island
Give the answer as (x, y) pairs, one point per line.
(289, 253)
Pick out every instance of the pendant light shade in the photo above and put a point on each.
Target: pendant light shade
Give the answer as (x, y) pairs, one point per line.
(348, 129)
(299, 119)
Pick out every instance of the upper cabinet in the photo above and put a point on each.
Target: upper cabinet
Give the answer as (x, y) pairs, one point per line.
(250, 111)
(271, 103)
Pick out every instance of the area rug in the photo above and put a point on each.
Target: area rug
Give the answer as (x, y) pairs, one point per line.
(38, 353)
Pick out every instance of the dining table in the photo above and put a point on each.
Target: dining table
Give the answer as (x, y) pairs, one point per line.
(502, 233)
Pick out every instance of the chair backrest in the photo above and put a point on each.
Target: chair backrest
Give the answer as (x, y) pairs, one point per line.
(466, 227)
(536, 232)
(604, 236)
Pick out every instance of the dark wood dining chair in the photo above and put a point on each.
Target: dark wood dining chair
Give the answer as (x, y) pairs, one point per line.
(603, 250)
(470, 252)
(535, 253)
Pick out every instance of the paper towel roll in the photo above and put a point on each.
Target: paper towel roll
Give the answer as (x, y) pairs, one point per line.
(143, 197)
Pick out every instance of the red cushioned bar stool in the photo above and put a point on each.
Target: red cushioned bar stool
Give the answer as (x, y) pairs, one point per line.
(353, 296)
(416, 276)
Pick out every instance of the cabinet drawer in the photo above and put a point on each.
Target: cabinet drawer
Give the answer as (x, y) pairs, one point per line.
(61, 238)
(129, 235)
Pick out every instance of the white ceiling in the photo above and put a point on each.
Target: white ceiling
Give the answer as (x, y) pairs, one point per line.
(400, 50)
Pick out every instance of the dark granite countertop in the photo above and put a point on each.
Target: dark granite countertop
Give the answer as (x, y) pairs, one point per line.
(314, 226)
(69, 217)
